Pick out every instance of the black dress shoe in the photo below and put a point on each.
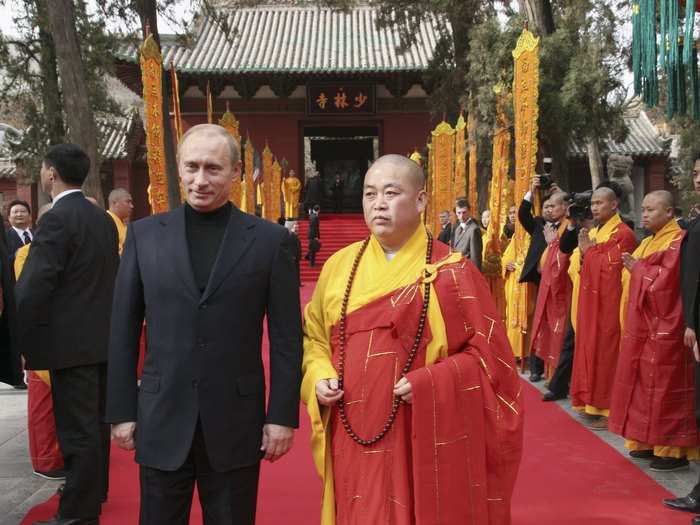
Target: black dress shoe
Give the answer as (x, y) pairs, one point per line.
(551, 396)
(69, 521)
(688, 504)
(535, 378)
(20, 386)
(53, 475)
(642, 454)
(668, 464)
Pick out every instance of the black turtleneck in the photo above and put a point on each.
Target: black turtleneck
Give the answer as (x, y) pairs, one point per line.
(205, 230)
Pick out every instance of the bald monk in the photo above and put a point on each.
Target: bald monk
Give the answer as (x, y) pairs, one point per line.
(554, 292)
(653, 403)
(408, 379)
(121, 206)
(598, 312)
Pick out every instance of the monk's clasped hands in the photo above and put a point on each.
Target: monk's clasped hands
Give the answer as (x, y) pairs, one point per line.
(328, 392)
(628, 261)
(404, 390)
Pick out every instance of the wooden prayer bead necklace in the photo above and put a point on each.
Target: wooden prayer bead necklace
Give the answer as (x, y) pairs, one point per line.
(411, 355)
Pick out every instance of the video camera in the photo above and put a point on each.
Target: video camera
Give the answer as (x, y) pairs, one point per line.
(580, 207)
(546, 179)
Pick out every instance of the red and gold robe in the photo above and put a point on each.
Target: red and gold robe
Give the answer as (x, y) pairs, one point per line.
(41, 424)
(432, 467)
(598, 317)
(653, 402)
(553, 304)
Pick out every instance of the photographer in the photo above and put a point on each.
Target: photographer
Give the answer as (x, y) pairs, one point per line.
(579, 216)
(553, 212)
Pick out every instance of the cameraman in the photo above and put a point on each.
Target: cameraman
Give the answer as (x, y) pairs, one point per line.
(553, 213)
(579, 215)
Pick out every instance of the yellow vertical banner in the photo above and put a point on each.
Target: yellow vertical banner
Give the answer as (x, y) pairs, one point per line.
(443, 137)
(429, 186)
(248, 184)
(152, 77)
(276, 192)
(210, 104)
(176, 104)
(228, 121)
(266, 184)
(526, 111)
(459, 184)
(498, 193)
(472, 191)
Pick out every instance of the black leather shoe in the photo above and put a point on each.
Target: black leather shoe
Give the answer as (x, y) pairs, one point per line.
(69, 521)
(668, 464)
(551, 396)
(688, 504)
(535, 378)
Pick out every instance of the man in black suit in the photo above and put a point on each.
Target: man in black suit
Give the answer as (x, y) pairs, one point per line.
(204, 276)
(553, 212)
(445, 227)
(20, 218)
(690, 294)
(64, 300)
(314, 235)
(10, 365)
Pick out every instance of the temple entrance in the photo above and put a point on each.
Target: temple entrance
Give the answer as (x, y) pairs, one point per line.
(344, 154)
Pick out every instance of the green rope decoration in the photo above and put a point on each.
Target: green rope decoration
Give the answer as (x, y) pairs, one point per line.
(647, 18)
(663, 32)
(688, 33)
(694, 84)
(637, 49)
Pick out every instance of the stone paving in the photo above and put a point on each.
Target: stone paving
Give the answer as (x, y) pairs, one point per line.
(20, 490)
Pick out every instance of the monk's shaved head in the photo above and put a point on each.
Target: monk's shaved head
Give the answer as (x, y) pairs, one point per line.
(657, 210)
(605, 193)
(663, 196)
(402, 166)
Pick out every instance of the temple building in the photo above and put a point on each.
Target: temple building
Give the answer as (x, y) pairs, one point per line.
(327, 90)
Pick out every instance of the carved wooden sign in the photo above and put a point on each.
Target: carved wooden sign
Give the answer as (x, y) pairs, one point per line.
(340, 99)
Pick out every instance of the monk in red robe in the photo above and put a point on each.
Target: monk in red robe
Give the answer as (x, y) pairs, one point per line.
(408, 376)
(653, 403)
(598, 323)
(553, 295)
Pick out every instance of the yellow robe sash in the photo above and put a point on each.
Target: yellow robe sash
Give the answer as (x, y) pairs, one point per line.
(121, 230)
(375, 277)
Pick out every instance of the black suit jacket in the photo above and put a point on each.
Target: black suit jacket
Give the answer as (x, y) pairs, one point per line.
(64, 295)
(14, 242)
(10, 366)
(204, 356)
(314, 229)
(445, 234)
(535, 227)
(690, 275)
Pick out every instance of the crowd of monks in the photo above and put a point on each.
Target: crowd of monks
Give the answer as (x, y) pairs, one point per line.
(611, 320)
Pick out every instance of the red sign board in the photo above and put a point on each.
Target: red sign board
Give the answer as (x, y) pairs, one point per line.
(338, 99)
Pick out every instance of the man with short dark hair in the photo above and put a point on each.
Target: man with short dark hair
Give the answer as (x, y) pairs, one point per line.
(466, 237)
(64, 302)
(19, 215)
(207, 276)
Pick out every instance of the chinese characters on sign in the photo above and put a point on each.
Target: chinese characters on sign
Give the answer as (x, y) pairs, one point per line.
(340, 99)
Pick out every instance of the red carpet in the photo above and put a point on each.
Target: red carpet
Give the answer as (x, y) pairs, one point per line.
(568, 477)
(337, 231)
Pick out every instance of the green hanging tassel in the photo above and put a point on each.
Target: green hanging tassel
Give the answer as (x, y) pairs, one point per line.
(663, 32)
(647, 19)
(681, 105)
(688, 32)
(694, 85)
(672, 45)
(637, 49)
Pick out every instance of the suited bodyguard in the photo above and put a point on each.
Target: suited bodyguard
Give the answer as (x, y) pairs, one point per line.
(64, 299)
(204, 276)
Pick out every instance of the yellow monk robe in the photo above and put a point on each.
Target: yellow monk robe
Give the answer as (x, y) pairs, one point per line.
(483, 344)
(517, 333)
(644, 392)
(121, 230)
(597, 323)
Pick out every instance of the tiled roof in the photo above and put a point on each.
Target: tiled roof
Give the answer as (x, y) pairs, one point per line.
(643, 140)
(300, 39)
(114, 133)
